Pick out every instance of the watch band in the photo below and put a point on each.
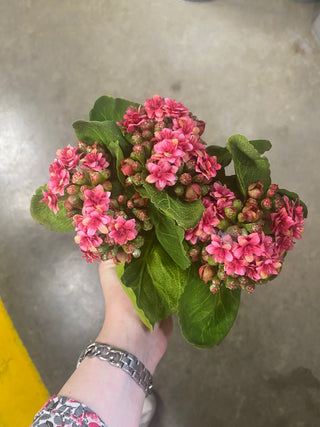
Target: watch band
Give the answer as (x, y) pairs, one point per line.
(121, 359)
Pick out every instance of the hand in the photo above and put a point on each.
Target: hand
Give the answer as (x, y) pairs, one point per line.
(122, 326)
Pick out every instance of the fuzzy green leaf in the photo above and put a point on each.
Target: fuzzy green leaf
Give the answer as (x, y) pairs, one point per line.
(222, 154)
(248, 164)
(156, 281)
(171, 237)
(109, 108)
(186, 214)
(261, 145)
(206, 318)
(132, 296)
(294, 196)
(41, 213)
(103, 132)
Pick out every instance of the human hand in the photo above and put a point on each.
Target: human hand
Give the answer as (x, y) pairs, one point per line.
(122, 326)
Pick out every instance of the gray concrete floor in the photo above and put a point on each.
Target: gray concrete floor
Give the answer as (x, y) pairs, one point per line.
(243, 66)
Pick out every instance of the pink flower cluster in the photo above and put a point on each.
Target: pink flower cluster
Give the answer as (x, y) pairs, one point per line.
(68, 159)
(231, 254)
(173, 135)
(95, 226)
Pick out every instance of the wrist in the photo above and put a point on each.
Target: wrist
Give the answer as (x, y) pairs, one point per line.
(132, 337)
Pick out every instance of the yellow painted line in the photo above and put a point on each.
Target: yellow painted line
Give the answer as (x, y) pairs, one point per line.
(22, 392)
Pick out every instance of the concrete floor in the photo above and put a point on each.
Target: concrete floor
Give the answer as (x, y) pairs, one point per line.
(243, 66)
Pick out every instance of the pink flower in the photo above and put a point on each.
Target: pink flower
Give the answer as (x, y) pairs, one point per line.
(220, 249)
(68, 157)
(94, 221)
(281, 222)
(268, 266)
(252, 273)
(175, 109)
(248, 247)
(94, 161)
(91, 257)
(162, 174)
(51, 200)
(154, 107)
(96, 199)
(207, 165)
(236, 266)
(186, 125)
(221, 191)
(133, 118)
(86, 242)
(59, 178)
(123, 230)
(168, 149)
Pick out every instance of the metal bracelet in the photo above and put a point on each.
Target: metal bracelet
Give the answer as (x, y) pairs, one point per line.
(121, 359)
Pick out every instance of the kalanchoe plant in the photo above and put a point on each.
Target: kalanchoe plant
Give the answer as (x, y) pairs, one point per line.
(142, 188)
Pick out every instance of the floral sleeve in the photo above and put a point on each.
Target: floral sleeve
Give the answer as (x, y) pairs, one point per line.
(60, 411)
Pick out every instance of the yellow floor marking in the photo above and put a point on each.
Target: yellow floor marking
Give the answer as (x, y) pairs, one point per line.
(22, 392)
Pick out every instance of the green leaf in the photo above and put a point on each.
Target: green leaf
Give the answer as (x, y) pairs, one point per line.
(108, 108)
(248, 164)
(103, 132)
(294, 196)
(206, 318)
(261, 145)
(156, 281)
(222, 154)
(117, 156)
(187, 215)
(170, 236)
(132, 296)
(41, 213)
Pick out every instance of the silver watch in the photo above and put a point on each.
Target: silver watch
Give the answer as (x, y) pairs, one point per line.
(123, 360)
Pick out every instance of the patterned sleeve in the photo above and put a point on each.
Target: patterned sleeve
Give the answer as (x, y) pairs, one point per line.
(60, 411)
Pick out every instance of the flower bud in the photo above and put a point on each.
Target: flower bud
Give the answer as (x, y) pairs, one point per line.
(148, 145)
(129, 166)
(266, 204)
(147, 225)
(272, 190)
(107, 185)
(231, 283)
(141, 214)
(255, 190)
(185, 178)
(194, 253)
(223, 224)
(68, 205)
(82, 146)
(138, 241)
(138, 201)
(251, 216)
(237, 204)
(75, 201)
(122, 256)
(254, 227)
(129, 181)
(72, 189)
(137, 179)
(234, 231)
(241, 217)
(98, 177)
(83, 188)
(130, 204)
(215, 286)
(231, 213)
(193, 192)
(179, 190)
(278, 204)
(199, 178)
(147, 135)
(207, 272)
(205, 188)
(129, 248)
(147, 124)
(222, 275)
(136, 138)
(136, 253)
(159, 126)
(79, 178)
(190, 165)
(138, 153)
(250, 288)
(122, 199)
